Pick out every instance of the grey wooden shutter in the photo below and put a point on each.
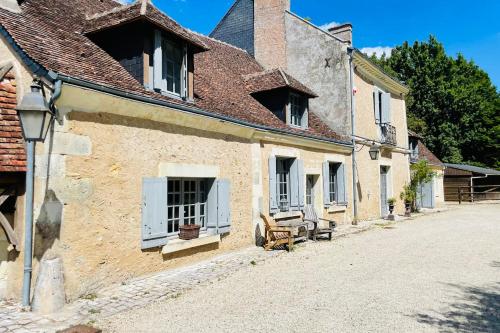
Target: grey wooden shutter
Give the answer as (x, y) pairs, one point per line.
(301, 184)
(326, 184)
(184, 79)
(223, 206)
(376, 106)
(273, 197)
(305, 115)
(294, 185)
(212, 214)
(386, 108)
(158, 61)
(154, 212)
(341, 182)
(288, 112)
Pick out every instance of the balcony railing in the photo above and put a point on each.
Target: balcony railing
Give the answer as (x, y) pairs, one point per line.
(388, 134)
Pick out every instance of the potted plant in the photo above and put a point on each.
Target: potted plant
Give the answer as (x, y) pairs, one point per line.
(189, 231)
(391, 202)
(408, 196)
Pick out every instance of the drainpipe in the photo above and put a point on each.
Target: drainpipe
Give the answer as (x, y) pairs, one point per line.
(350, 51)
(30, 173)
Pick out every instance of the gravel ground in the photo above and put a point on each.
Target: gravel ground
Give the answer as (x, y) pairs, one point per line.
(432, 274)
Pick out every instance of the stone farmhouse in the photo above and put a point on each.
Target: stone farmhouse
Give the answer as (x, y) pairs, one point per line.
(157, 127)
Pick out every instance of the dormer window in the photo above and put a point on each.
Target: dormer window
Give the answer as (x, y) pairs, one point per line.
(170, 66)
(298, 110)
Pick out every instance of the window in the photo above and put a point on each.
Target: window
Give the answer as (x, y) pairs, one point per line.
(186, 203)
(170, 66)
(172, 71)
(297, 109)
(283, 183)
(333, 183)
(310, 184)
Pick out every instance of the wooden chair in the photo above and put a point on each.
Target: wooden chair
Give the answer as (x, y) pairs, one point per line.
(311, 216)
(275, 235)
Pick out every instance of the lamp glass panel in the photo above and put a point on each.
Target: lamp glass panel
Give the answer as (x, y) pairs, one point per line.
(34, 124)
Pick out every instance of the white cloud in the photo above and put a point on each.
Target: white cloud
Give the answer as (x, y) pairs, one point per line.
(378, 50)
(327, 26)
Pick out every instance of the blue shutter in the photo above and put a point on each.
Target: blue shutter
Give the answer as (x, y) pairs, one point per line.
(158, 61)
(305, 115)
(294, 185)
(386, 108)
(326, 184)
(341, 189)
(154, 212)
(376, 105)
(212, 214)
(301, 184)
(223, 206)
(273, 197)
(184, 79)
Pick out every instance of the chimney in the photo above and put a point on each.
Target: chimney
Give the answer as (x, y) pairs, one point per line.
(343, 31)
(10, 5)
(270, 32)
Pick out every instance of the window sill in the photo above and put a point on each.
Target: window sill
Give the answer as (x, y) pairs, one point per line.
(286, 215)
(177, 245)
(337, 208)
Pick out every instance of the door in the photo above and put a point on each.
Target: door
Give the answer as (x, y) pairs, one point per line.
(384, 207)
(310, 184)
(425, 195)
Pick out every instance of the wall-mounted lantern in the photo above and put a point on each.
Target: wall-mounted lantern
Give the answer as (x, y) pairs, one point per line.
(374, 152)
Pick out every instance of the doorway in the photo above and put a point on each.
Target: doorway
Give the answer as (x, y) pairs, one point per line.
(384, 207)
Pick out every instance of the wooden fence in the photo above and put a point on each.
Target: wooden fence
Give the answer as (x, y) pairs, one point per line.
(474, 193)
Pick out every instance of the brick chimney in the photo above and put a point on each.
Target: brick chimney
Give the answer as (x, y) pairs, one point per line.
(270, 32)
(10, 5)
(343, 31)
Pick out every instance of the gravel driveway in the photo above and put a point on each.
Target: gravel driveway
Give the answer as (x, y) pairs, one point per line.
(432, 274)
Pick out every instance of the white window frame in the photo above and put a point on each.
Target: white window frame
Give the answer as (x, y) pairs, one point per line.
(201, 204)
(333, 182)
(161, 61)
(283, 166)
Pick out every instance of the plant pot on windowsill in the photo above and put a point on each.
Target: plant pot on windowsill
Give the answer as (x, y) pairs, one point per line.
(188, 232)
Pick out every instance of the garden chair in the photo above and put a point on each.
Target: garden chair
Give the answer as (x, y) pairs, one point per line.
(311, 216)
(275, 235)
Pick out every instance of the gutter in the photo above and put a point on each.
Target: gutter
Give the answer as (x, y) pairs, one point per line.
(350, 51)
(185, 108)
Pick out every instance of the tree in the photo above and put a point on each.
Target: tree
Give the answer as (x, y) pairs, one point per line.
(452, 102)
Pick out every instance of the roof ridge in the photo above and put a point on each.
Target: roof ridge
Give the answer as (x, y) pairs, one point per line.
(111, 11)
(216, 40)
(282, 73)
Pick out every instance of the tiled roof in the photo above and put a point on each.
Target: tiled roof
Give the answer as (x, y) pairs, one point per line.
(12, 153)
(275, 79)
(220, 86)
(142, 9)
(52, 34)
(425, 154)
(414, 134)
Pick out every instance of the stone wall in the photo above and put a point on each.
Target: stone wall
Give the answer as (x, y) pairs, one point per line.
(321, 62)
(395, 159)
(91, 211)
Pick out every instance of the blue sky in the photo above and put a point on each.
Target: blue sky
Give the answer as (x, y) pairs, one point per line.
(469, 27)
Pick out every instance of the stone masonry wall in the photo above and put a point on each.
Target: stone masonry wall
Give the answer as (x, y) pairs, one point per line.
(91, 212)
(321, 63)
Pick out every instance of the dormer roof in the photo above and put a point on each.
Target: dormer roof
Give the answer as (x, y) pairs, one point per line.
(140, 10)
(275, 79)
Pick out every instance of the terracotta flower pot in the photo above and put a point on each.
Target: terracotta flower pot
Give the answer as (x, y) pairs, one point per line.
(187, 232)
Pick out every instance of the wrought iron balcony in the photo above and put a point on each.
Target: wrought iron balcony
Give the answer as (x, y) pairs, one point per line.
(388, 134)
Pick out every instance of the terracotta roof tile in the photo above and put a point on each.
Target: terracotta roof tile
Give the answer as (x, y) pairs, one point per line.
(139, 10)
(52, 34)
(274, 79)
(425, 154)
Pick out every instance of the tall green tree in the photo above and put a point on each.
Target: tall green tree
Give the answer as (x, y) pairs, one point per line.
(452, 102)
